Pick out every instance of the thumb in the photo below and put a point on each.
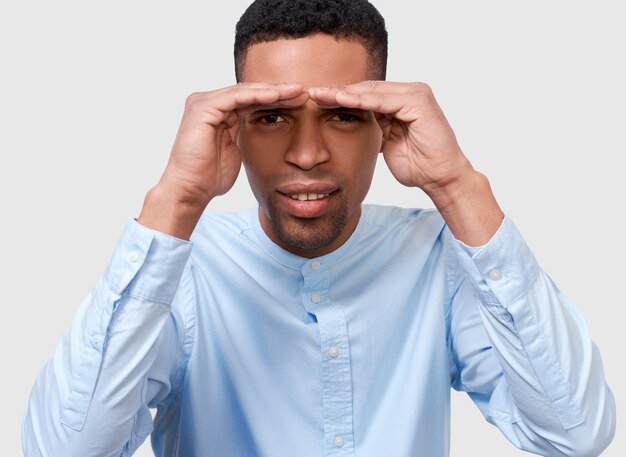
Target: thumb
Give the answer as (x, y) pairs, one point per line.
(384, 122)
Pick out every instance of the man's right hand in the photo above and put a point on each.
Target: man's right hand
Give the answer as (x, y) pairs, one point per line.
(205, 159)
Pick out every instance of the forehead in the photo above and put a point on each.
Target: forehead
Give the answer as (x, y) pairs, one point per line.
(316, 60)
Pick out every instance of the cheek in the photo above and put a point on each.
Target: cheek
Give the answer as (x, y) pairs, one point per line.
(356, 151)
(355, 155)
(263, 149)
(259, 153)
(366, 138)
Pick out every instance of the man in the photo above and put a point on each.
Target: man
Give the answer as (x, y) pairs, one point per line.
(312, 324)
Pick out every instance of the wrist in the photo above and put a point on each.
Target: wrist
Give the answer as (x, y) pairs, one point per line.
(458, 190)
(469, 208)
(170, 211)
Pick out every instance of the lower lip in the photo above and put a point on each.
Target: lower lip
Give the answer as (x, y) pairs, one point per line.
(306, 208)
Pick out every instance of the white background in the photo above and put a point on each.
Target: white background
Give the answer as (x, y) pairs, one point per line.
(91, 95)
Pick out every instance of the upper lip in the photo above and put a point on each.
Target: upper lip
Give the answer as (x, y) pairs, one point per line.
(307, 188)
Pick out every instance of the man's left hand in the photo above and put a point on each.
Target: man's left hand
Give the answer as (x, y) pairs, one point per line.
(422, 151)
(419, 145)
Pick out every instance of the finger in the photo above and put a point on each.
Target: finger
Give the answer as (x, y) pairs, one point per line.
(221, 107)
(402, 107)
(250, 85)
(326, 96)
(233, 130)
(298, 100)
(241, 96)
(387, 87)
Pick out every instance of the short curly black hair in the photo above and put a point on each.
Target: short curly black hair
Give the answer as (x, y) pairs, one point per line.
(268, 20)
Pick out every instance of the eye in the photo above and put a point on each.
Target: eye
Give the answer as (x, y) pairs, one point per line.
(270, 119)
(346, 118)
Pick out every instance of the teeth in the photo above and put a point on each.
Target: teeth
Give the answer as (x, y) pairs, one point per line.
(303, 197)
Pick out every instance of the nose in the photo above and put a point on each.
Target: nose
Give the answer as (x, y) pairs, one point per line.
(306, 146)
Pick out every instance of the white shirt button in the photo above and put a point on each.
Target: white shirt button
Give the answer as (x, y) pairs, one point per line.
(315, 298)
(333, 351)
(495, 274)
(338, 441)
(133, 257)
(315, 265)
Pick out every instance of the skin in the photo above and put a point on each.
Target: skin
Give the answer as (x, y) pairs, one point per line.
(305, 134)
(310, 142)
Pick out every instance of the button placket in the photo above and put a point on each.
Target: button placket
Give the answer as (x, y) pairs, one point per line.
(336, 381)
(336, 387)
(338, 441)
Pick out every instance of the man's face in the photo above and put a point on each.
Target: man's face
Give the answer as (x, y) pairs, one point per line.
(325, 153)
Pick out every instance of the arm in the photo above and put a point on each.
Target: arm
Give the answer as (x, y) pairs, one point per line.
(522, 351)
(128, 344)
(521, 348)
(124, 352)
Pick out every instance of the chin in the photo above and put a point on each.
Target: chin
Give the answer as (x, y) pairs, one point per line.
(314, 233)
(307, 233)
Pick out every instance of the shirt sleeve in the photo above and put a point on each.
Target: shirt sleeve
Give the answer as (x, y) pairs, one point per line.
(522, 351)
(125, 352)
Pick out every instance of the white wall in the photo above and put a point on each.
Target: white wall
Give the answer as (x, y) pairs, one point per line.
(91, 95)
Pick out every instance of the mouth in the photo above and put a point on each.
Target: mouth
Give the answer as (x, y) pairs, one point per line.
(307, 200)
(307, 197)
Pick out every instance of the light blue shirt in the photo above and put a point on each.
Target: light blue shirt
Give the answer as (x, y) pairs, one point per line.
(248, 350)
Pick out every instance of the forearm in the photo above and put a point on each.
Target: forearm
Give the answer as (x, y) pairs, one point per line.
(552, 398)
(553, 372)
(86, 405)
(87, 397)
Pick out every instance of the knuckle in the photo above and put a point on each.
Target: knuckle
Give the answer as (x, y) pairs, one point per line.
(423, 87)
(243, 87)
(240, 89)
(192, 99)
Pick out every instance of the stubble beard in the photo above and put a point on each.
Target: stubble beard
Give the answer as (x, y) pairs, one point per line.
(308, 233)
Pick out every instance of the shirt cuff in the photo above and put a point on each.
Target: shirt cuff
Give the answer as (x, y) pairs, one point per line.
(502, 269)
(471, 250)
(147, 263)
